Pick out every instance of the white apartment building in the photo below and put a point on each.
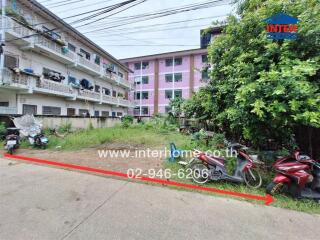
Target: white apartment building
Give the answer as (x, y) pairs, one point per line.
(49, 68)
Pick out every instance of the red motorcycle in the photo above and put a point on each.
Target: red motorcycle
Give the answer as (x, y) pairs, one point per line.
(213, 168)
(299, 175)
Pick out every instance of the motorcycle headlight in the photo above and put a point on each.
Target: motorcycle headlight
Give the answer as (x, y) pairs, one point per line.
(310, 178)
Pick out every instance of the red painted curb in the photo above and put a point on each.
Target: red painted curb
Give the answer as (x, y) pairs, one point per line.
(267, 199)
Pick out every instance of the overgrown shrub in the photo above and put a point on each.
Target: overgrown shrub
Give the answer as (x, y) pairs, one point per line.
(65, 128)
(3, 130)
(126, 121)
(218, 140)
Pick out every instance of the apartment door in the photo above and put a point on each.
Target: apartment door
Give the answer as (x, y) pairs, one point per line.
(29, 109)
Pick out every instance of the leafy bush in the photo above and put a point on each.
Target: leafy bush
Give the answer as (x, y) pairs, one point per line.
(126, 121)
(3, 130)
(65, 128)
(218, 140)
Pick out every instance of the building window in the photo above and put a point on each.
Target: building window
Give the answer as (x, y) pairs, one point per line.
(113, 114)
(169, 77)
(4, 104)
(137, 95)
(178, 93)
(145, 110)
(145, 95)
(119, 114)
(204, 58)
(136, 111)
(145, 80)
(97, 88)
(71, 111)
(204, 75)
(85, 54)
(120, 74)
(84, 112)
(178, 61)
(51, 33)
(145, 65)
(96, 113)
(167, 109)
(97, 60)
(11, 61)
(105, 113)
(137, 66)
(29, 109)
(72, 47)
(114, 93)
(178, 77)
(137, 80)
(46, 110)
(168, 94)
(169, 62)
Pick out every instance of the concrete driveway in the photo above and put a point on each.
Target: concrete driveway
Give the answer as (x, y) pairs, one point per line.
(38, 202)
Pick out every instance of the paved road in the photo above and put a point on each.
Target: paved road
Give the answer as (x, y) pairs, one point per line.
(38, 202)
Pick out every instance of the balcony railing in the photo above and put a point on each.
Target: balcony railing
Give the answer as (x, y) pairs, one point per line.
(109, 99)
(8, 110)
(53, 46)
(15, 28)
(11, 78)
(89, 94)
(54, 86)
(85, 62)
(124, 83)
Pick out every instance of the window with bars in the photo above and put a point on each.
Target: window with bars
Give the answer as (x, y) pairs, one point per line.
(71, 111)
(168, 94)
(48, 110)
(105, 113)
(11, 61)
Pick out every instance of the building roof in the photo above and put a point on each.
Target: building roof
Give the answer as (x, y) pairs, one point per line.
(165, 55)
(74, 31)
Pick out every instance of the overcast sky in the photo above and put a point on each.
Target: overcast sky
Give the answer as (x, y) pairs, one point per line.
(148, 40)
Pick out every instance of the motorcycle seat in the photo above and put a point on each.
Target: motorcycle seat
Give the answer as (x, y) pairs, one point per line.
(215, 160)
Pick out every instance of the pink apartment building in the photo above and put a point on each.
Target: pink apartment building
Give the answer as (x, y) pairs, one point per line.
(161, 77)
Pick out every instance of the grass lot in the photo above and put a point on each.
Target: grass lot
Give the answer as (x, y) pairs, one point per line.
(151, 136)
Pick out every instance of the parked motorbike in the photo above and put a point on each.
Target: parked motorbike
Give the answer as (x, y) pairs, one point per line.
(38, 140)
(298, 175)
(213, 168)
(12, 140)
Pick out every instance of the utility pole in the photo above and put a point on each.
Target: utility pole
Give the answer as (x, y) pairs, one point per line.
(3, 25)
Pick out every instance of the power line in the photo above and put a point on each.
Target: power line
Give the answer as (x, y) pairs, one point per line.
(113, 13)
(162, 14)
(163, 24)
(111, 7)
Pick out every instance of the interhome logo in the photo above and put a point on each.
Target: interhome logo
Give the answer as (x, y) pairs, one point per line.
(281, 26)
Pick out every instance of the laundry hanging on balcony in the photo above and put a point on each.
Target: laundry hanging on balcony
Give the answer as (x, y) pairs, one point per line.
(52, 75)
(86, 84)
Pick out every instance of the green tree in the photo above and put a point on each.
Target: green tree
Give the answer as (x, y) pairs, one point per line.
(263, 88)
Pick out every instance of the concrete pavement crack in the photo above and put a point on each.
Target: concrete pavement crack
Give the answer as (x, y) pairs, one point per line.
(94, 211)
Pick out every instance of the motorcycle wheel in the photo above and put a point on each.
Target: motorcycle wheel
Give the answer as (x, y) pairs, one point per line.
(275, 188)
(252, 178)
(200, 173)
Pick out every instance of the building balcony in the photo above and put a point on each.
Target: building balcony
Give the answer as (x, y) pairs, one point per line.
(124, 83)
(8, 111)
(27, 83)
(14, 31)
(89, 95)
(53, 50)
(88, 66)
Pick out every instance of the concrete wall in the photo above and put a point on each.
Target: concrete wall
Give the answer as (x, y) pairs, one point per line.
(78, 122)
